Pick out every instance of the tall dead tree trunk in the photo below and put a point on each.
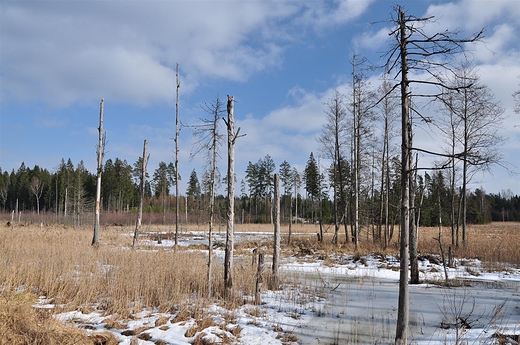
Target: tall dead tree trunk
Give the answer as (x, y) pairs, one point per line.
(232, 136)
(356, 152)
(141, 193)
(276, 252)
(178, 85)
(403, 304)
(100, 154)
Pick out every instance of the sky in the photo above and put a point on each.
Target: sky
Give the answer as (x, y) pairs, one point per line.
(281, 60)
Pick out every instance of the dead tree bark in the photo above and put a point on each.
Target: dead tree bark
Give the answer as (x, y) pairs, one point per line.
(178, 84)
(141, 192)
(276, 252)
(232, 136)
(403, 304)
(259, 280)
(414, 225)
(100, 154)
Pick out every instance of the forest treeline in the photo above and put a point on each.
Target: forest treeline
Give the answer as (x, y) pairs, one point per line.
(70, 192)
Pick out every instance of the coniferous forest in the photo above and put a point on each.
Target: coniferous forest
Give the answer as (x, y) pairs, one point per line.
(67, 195)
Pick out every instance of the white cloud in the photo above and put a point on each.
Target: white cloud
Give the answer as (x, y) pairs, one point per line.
(71, 51)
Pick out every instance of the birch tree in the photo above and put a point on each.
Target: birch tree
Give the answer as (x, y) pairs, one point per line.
(479, 134)
(36, 188)
(362, 108)
(334, 140)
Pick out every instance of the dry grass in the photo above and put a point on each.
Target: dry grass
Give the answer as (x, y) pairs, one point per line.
(20, 323)
(58, 262)
(494, 244)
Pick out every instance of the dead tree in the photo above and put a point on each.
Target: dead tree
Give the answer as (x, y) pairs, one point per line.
(415, 50)
(232, 137)
(100, 154)
(142, 182)
(333, 140)
(209, 142)
(178, 85)
(478, 133)
(276, 251)
(388, 107)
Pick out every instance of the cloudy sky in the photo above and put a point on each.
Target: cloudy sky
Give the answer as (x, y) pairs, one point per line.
(281, 60)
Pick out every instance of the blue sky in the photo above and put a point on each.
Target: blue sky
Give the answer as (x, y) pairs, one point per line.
(281, 60)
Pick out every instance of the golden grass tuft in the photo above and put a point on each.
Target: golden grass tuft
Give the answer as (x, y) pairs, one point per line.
(20, 323)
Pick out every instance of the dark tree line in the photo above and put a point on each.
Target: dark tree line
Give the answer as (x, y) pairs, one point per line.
(70, 191)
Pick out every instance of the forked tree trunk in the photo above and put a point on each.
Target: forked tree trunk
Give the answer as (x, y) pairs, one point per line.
(100, 153)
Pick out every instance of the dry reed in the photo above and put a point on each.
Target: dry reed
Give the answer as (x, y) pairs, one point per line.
(58, 262)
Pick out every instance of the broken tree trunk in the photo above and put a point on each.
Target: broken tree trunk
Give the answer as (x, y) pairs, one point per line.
(100, 154)
(228, 256)
(141, 192)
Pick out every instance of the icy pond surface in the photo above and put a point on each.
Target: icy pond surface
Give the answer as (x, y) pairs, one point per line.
(363, 310)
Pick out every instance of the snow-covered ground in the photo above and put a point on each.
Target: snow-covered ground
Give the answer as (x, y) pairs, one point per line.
(342, 300)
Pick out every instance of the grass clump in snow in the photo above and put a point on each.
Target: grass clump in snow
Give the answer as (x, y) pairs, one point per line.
(21, 323)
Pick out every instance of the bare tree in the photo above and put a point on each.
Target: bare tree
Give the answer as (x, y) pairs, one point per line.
(210, 139)
(362, 102)
(178, 85)
(142, 181)
(232, 137)
(415, 49)
(36, 188)
(480, 128)
(388, 107)
(100, 154)
(334, 140)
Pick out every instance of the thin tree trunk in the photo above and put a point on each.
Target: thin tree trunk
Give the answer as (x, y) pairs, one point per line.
(177, 156)
(276, 252)
(356, 160)
(100, 153)
(141, 194)
(290, 219)
(228, 258)
(414, 264)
